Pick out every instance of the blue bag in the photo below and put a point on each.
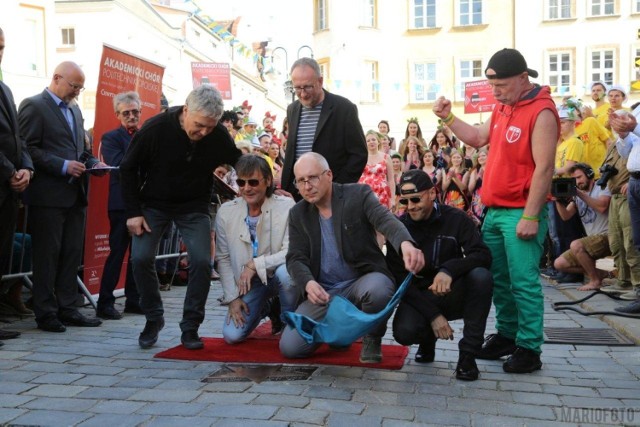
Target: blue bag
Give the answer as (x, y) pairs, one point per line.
(344, 322)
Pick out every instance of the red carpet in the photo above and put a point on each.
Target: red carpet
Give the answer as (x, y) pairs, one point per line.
(262, 347)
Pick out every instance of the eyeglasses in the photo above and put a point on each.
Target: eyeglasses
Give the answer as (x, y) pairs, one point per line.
(313, 180)
(128, 113)
(79, 88)
(305, 89)
(252, 182)
(413, 200)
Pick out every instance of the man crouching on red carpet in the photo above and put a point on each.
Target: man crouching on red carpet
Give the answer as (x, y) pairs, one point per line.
(252, 238)
(333, 251)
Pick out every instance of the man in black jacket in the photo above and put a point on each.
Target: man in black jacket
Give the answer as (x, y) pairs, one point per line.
(167, 175)
(455, 282)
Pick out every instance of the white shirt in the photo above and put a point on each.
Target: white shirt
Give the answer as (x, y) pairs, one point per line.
(629, 146)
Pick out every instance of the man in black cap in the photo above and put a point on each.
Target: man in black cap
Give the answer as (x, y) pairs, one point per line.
(523, 132)
(455, 282)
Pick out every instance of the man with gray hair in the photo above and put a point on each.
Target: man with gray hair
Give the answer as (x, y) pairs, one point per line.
(114, 145)
(167, 175)
(324, 123)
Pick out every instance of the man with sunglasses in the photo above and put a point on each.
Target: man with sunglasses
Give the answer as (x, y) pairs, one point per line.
(333, 251)
(324, 123)
(454, 284)
(167, 175)
(252, 238)
(114, 145)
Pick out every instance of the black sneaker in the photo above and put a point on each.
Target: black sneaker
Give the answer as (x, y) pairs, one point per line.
(149, 334)
(191, 341)
(522, 361)
(108, 313)
(426, 352)
(496, 346)
(467, 369)
(633, 308)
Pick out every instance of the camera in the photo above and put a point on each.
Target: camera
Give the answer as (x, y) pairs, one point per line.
(563, 188)
(606, 172)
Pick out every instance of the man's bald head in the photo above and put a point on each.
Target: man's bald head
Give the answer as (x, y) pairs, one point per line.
(67, 81)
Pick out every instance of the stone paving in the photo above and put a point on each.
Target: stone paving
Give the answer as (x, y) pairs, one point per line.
(100, 377)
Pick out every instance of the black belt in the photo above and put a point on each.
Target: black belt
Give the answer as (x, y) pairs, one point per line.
(635, 175)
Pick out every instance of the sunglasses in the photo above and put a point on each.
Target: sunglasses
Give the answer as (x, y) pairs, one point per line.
(252, 182)
(128, 113)
(412, 199)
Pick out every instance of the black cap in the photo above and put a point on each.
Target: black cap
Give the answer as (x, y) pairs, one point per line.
(508, 63)
(417, 177)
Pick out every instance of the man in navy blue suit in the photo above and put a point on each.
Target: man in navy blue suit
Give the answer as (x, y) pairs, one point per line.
(127, 106)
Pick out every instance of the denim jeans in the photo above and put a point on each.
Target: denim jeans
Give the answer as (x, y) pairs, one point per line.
(256, 299)
(195, 230)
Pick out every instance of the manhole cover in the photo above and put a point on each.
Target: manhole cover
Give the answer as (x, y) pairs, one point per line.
(259, 373)
(585, 336)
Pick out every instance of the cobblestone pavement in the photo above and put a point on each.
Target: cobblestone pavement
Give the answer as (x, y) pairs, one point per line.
(100, 377)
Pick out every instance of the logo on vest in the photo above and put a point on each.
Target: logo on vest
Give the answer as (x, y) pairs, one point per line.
(513, 134)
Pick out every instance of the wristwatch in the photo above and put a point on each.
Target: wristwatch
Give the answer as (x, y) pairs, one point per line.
(31, 173)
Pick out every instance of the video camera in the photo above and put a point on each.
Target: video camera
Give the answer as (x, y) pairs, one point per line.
(606, 172)
(563, 188)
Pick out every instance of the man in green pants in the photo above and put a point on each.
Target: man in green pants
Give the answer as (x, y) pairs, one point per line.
(523, 132)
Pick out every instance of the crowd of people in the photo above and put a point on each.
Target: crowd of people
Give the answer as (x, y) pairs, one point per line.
(323, 209)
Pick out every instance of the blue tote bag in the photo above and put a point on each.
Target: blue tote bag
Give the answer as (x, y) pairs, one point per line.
(344, 322)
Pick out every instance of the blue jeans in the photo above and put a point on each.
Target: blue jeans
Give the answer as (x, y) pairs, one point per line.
(256, 299)
(555, 249)
(633, 197)
(195, 230)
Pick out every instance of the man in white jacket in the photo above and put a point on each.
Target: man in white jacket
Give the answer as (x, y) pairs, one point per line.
(252, 239)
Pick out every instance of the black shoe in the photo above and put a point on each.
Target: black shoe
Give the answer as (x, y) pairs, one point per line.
(426, 352)
(191, 341)
(7, 335)
(51, 324)
(277, 325)
(133, 309)
(467, 370)
(75, 318)
(109, 313)
(149, 334)
(633, 308)
(522, 361)
(496, 346)
(570, 278)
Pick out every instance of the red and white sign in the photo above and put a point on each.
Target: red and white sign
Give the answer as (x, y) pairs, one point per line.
(478, 97)
(119, 72)
(214, 73)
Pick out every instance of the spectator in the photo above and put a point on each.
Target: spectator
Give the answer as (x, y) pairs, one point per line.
(455, 183)
(384, 129)
(478, 209)
(412, 130)
(412, 158)
(324, 123)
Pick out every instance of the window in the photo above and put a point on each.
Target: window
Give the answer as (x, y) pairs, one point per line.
(636, 6)
(602, 66)
(423, 82)
(559, 9)
(560, 72)
(321, 15)
(31, 55)
(423, 14)
(602, 7)
(469, 70)
(470, 12)
(369, 15)
(324, 69)
(68, 36)
(370, 85)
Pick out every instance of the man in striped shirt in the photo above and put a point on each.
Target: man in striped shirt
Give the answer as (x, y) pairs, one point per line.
(324, 123)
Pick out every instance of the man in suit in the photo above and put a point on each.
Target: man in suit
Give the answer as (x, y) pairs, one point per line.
(53, 128)
(324, 123)
(16, 171)
(333, 251)
(128, 108)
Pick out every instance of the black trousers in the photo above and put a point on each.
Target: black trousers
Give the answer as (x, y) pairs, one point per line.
(119, 242)
(469, 299)
(8, 216)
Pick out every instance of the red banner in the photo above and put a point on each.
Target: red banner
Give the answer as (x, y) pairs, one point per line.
(216, 74)
(119, 72)
(478, 97)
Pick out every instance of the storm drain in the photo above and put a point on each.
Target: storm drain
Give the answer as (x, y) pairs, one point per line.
(259, 373)
(585, 336)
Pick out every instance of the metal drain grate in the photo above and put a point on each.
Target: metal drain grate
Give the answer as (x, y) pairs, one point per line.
(259, 373)
(585, 336)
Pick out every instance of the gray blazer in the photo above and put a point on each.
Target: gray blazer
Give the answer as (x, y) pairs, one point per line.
(50, 142)
(356, 213)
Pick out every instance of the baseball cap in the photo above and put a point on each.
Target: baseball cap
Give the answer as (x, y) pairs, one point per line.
(508, 63)
(251, 121)
(618, 88)
(264, 134)
(566, 114)
(417, 177)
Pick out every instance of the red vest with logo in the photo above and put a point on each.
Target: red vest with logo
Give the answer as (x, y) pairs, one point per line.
(510, 166)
